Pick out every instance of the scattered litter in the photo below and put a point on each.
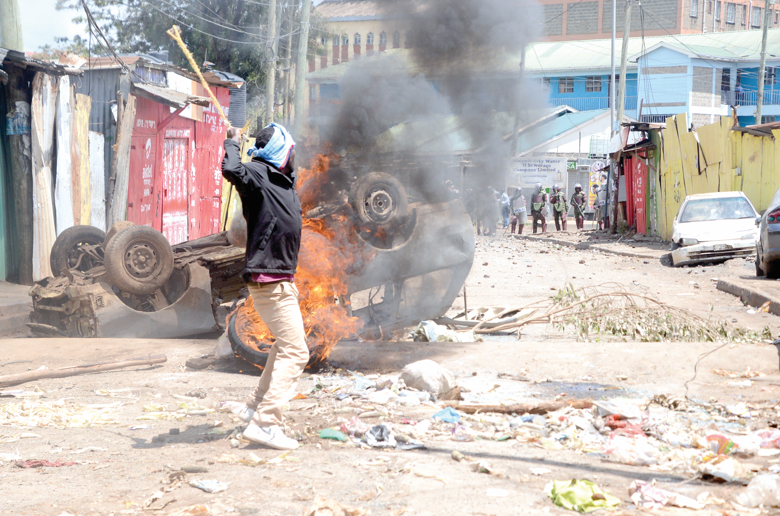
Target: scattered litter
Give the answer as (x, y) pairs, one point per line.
(325, 507)
(740, 383)
(193, 510)
(651, 497)
(427, 375)
(210, 486)
(57, 414)
(330, 433)
(580, 495)
(448, 415)
(734, 374)
(762, 490)
(140, 427)
(35, 463)
(539, 471)
(380, 436)
(429, 331)
(425, 474)
(14, 438)
(194, 469)
(90, 449)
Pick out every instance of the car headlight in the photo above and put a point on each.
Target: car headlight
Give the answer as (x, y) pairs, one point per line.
(689, 241)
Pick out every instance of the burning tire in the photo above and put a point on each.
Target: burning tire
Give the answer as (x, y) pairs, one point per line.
(138, 260)
(379, 198)
(68, 251)
(245, 336)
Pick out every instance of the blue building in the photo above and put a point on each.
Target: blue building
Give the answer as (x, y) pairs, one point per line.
(702, 75)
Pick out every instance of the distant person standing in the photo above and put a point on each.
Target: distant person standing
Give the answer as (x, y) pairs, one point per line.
(538, 206)
(601, 204)
(519, 215)
(579, 201)
(504, 203)
(560, 208)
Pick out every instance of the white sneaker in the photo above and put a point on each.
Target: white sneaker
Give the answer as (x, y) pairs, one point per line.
(270, 436)
(240, 410)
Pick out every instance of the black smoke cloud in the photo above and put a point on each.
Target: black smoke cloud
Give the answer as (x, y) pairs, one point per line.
(464, 61)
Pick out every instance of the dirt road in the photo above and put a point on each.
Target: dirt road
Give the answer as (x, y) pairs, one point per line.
(120, 437)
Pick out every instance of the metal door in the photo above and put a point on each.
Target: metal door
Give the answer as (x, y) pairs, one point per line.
(175, 171)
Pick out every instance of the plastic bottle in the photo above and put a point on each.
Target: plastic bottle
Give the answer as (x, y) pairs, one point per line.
(762, 490)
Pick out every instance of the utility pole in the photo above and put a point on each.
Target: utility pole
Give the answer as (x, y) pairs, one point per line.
(612, 76)
(762, 66)
(613, 171)
(11, 26)
(301, 68)
(270, 77)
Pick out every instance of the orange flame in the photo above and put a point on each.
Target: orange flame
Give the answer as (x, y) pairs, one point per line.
(328, 251)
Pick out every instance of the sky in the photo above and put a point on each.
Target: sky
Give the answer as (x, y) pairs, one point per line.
(41, 23)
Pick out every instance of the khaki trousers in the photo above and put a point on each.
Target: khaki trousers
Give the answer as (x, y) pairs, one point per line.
(277, 305)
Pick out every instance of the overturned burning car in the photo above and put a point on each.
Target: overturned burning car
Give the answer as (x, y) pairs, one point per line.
(371, 263)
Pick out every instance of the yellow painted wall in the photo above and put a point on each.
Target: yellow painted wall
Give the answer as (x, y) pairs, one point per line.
(713, 159)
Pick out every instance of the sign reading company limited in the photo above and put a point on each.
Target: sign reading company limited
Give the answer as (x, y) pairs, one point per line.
(529, 171)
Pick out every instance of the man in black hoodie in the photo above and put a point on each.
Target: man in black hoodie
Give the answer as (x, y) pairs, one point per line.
(266, 186)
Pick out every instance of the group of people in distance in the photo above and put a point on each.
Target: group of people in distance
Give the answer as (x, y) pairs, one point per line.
(514, 209)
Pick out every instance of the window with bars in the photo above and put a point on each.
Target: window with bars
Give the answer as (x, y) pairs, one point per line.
(755, 18)
(566, 85)
(345, 40)
(694, 8)
(731, 13)
(593, 83)
(770, 74)
(744, 15)
(357, 39)
(383, 38)
(717, 10)
(370, 38)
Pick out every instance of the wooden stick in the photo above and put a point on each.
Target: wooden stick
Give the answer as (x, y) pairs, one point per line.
(16, 379)
(542, 407)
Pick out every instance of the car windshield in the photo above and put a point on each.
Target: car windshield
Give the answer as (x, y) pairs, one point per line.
(724, 208)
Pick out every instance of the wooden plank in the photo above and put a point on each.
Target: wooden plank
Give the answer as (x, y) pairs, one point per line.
(81, 141)
(768, 181)
(97, 181)
(751, 168)
(44, 106)
(710, 138)
(63, 190)
(118, 200)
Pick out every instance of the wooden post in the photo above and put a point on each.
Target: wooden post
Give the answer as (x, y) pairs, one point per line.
(120, 105)
(44, 102)
(118, 210)
(63, 190)
(80, 142)
(270, 78)
(20, 158)
(301, 68)
(97, 178)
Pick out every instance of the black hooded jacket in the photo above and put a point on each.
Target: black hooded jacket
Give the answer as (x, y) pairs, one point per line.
(272, 212)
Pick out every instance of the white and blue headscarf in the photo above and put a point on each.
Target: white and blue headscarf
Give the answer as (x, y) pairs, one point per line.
(277, 150)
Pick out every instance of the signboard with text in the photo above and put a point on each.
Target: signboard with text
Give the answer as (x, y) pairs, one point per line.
(529, 171)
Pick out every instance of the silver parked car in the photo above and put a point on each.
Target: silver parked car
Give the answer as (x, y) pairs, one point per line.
(714, 227)
(768, 244)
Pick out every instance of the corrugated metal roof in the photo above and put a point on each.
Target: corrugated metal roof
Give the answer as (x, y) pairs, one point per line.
(545, 57)
(334, 10)
(167, 96)
(556, 127)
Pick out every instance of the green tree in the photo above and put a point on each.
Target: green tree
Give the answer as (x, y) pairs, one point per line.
(231, 34)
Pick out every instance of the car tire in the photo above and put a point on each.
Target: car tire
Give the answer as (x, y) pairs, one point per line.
(759, 271)
(256, 353)
(379, 198)
(772, 270)
(138, 260)
(116, 228)
(65, 251)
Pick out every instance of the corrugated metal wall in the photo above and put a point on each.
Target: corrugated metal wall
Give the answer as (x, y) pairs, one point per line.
(4, 233)
(101, 86)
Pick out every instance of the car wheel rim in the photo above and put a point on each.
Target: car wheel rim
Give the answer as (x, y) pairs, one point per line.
(140, 260)
(379, 205)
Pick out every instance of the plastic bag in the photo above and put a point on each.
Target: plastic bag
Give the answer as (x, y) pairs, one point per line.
(636, 451)
(762, 490)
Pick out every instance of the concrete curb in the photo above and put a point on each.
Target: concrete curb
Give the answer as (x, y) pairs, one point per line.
(587, 246)
(753, 295)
